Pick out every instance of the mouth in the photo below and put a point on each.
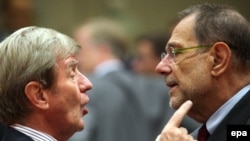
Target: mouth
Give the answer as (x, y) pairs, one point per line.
(171, 84)
(84, 110)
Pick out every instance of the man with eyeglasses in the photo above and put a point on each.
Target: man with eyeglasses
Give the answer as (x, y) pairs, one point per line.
(207, 67)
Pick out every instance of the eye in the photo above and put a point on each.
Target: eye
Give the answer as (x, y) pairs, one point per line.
(170, 51)
(72, 74)
(73, 71)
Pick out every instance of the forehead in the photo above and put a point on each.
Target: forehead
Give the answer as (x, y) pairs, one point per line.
(183, 34)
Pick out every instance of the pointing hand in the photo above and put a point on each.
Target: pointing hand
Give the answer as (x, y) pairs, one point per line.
(172, 131)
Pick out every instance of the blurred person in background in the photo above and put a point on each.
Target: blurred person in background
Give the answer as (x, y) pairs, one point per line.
(123, 105)
(104, 43)
(148, 55)
(148, 52)
(15, 14)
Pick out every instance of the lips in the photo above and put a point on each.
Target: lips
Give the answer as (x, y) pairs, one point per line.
(170, 82)
(83, 106)
(85, 111)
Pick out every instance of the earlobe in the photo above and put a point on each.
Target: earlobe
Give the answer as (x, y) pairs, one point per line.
(222, 56)
(36, 95)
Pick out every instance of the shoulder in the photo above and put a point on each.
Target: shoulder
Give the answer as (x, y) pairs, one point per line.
(11, 134)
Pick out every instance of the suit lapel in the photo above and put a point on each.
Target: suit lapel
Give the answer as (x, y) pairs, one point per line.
(238, 115)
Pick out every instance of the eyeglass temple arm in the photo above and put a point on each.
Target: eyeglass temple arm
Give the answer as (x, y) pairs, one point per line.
(179, 50)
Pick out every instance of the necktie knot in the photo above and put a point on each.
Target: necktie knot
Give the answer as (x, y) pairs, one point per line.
(203, 133)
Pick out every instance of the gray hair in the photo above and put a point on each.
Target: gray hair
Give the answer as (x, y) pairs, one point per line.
(222, 23)
(29, 54)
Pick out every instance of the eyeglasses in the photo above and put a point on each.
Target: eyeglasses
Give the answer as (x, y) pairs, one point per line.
(171, 52)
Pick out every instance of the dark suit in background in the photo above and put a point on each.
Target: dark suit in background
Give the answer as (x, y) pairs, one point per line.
(110, 115)
(123, 106)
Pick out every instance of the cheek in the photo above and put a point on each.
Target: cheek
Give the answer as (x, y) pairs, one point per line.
(69, 109)
(67, 93)
(192, 75)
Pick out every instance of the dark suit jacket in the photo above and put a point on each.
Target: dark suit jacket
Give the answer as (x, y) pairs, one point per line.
(240, 114)
(13, 135)
(2, 129)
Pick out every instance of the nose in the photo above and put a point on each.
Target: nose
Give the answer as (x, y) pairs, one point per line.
(88, 84)
(84, 83)
(163, 67)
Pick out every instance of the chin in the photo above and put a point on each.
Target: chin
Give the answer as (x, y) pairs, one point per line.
(175, 104)
(79, 126)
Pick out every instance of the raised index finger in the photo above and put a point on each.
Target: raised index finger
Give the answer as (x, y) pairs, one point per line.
(178, 116)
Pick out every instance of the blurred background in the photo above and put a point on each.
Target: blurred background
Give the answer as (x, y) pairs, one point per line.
(139, 16)
(144, 22)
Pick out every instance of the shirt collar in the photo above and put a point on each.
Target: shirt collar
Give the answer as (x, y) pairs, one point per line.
(221, 113)
(32, 133)
(107, 67)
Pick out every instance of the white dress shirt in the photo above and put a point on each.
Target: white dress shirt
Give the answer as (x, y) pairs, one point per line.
(32, 133)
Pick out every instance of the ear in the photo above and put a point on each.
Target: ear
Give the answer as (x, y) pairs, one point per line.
(36, 94)
(222, 56)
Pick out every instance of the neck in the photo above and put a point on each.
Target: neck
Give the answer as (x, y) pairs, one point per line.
(39, 123)
(220, 91)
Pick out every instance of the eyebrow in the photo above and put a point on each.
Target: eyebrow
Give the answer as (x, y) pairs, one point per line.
(173, 44)
(72, 63)
(169, 45)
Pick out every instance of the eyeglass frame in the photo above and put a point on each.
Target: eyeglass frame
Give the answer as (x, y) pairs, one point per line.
(175, 51)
